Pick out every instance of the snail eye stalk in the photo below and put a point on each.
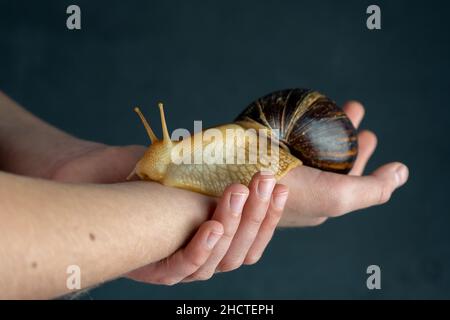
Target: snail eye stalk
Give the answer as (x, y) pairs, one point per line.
(147, 127)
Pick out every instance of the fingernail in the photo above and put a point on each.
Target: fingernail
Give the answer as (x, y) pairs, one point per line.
(212, 239)
(280, 200)
(237, 201)
(265, 187)
(401, 174)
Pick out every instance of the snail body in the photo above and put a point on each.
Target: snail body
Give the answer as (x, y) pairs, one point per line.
(305, 127)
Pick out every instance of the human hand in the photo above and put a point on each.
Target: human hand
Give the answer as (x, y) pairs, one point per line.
(91, 162)
(321, 195)
(238, 232)
(241, 234)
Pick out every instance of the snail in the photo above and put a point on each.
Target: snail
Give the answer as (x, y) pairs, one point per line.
(306, 127)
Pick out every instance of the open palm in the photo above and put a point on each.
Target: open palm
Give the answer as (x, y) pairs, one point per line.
(321, 195)
(315, 195)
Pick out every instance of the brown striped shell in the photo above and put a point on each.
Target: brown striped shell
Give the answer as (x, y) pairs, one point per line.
(313, 127)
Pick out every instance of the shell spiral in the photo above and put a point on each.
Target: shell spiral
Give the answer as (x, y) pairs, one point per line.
(312, 126)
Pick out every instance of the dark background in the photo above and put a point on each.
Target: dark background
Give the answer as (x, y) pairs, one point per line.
(207, 60)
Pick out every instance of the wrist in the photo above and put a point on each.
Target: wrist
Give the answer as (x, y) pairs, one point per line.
(175, 214)
(32, 147)
(68, 152)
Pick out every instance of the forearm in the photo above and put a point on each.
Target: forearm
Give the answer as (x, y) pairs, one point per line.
(28, 145)
(105, 230)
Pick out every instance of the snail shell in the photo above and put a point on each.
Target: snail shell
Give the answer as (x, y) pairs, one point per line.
(314, 128)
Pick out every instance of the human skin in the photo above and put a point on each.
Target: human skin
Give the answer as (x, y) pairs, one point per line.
(30, 206)
(111, 229)
(53, 154)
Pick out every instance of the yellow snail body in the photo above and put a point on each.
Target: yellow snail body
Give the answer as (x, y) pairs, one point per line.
(304, 126)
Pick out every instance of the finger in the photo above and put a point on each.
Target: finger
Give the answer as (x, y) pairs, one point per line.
(276, 207)
(186, 261)
(228, 213)
(340, 194)
(254, 212)
(355, 112)
(367, 142)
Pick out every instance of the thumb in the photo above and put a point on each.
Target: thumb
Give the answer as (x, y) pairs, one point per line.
(355, 193)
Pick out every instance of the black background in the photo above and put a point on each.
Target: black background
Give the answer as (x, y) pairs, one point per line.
(207, 60)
